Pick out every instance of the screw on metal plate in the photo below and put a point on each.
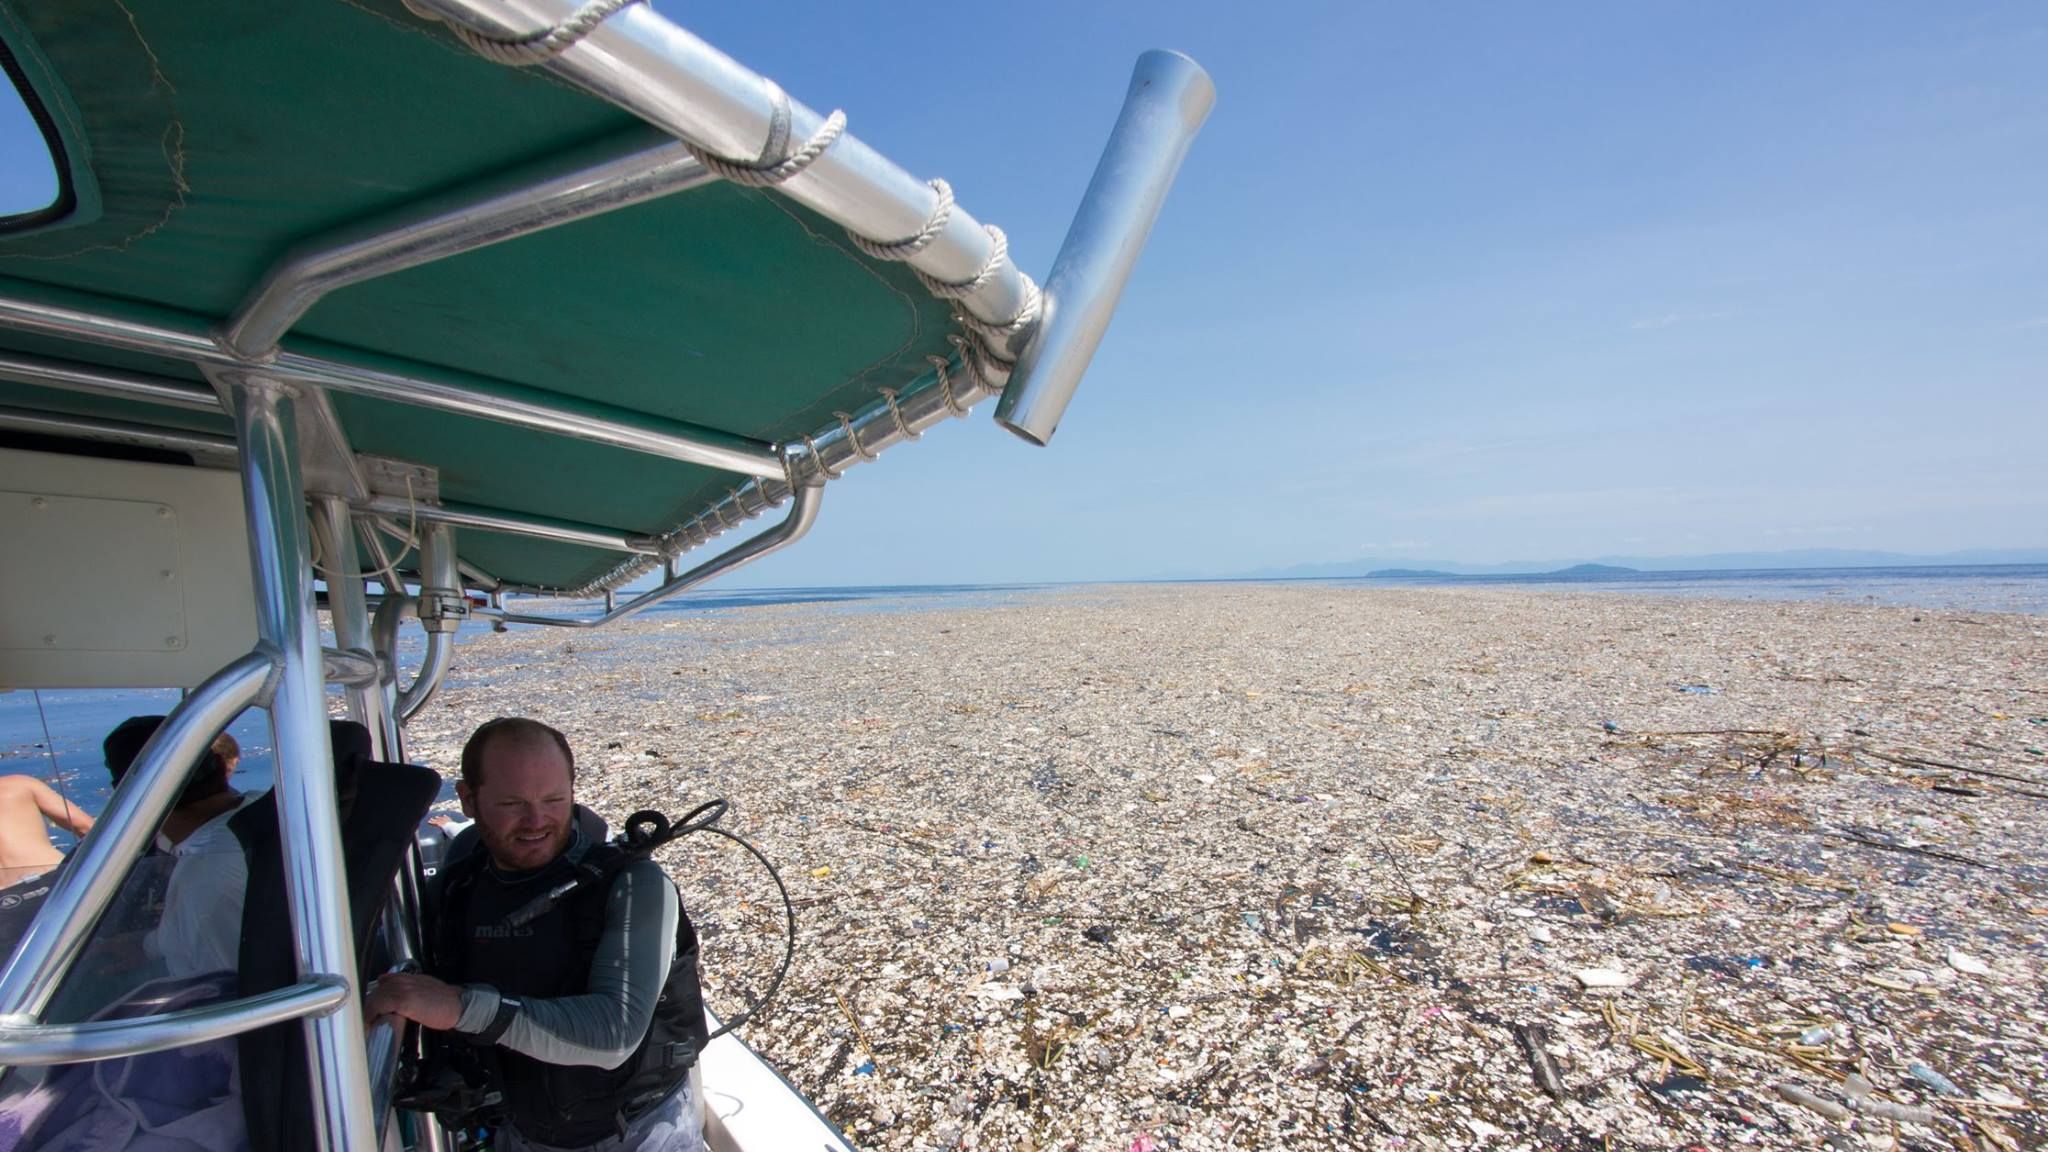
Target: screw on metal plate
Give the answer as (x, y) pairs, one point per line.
(38, 502)
(162, 511)
(50, 639)
(173, 642)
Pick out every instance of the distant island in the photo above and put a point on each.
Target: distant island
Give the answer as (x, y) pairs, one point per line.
(1433, 574)
(1568, 567)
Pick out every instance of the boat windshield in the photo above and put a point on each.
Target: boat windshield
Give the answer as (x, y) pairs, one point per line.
(29, 185)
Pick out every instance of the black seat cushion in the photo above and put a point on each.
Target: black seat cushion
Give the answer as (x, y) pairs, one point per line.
(381, 808)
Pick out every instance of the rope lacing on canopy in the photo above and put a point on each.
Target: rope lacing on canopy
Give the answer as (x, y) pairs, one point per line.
(996, 339)
(540, 47)
(983, 352)
(775, 165)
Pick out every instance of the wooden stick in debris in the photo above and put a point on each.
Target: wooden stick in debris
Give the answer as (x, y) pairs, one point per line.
(1812, 1103)
(1717, 732)
(1933, 853)
(1924, 762)
(858, 1032)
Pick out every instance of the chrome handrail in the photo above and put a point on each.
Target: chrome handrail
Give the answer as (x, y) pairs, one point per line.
(32, 1045)
(97, 381)
(628, 169)
(508, 523)
(203, 445)
(803, 512)
(414, 385)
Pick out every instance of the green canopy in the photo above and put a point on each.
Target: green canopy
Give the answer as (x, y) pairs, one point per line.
(200, 142)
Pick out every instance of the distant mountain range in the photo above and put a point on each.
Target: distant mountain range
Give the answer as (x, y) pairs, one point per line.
(1615, 565)
(1574, 570)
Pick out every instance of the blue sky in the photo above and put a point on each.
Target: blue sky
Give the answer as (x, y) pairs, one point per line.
(1478, 283)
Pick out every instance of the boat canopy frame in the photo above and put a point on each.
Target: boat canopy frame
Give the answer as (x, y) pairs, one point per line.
(156, 376)
(1001, 317)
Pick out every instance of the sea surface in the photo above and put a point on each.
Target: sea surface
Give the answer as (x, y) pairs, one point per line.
(2021, 588)
(56, 734)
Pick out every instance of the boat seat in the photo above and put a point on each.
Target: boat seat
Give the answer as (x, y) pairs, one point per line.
(381, 805)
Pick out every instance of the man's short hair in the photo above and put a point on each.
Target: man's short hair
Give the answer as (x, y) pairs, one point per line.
(208, 778)
(509, 729)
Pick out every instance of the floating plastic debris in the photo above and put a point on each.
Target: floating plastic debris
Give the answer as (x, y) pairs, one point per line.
(1966, 963)
(1993, 1094)
(1603, 978)
(1415, 809)
(1932, 1079)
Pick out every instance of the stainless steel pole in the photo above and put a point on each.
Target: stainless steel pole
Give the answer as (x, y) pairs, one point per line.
(44, 1044)
(628, 169)
(803, 513)
(510, 523)
(1169, 97)
(308, 817)
(441, 608)
(668, 77)
(213, 449)
(438, 389)
(334, 526)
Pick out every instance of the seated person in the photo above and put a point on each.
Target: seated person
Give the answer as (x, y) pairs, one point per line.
(25, 848)
(26, 851)
(201, 928)
(207, 796)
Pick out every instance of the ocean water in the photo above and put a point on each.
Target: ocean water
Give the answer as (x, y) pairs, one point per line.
(56, 734)
(2020, 588)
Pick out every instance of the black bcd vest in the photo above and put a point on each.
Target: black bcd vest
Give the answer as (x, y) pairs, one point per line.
(549, 956)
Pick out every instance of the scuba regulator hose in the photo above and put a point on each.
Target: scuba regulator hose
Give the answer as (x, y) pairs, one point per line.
(647, 830)
(704, 818)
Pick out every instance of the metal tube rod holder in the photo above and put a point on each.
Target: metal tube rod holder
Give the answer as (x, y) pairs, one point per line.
(1170, 96)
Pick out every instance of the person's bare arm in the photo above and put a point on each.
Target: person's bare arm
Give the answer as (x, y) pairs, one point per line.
(58, 810)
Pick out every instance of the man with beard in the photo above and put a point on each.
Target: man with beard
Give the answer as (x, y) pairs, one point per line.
(569, 966)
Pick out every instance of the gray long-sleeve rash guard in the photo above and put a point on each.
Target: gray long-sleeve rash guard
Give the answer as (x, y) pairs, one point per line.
(603, 1025)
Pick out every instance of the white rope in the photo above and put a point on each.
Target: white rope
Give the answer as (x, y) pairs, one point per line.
(975, 358)
(777, 164)
(998, 254)
(853, 438)
(818, 461)
(889, 394)
(904, 249)
(996, 338)
(944, 369)
(767, 175)
(546, 44)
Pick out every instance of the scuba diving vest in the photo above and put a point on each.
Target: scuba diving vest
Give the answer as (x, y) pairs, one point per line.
(526, 938)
